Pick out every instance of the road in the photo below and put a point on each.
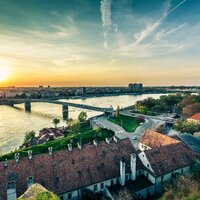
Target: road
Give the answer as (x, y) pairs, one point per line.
(160, 118)
(103, 122)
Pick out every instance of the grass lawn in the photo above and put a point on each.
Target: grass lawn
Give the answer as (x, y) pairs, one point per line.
(128, 123)
(86, 135)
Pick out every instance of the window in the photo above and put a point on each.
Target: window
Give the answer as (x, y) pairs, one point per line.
(139, 172)
(11, 185)
(181, 171)
(69, 195)
(102, 185)
(112, 182)
(147, 175)
(95, 187)
(117, 180)
(147, 165)
(162, 178)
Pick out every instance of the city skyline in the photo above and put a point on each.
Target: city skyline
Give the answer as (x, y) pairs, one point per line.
(99, 43)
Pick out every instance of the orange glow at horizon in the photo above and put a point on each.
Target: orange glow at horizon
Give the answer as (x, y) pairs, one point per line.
(4, 73)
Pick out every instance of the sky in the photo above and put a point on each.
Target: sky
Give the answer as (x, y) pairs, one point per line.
(99, 42)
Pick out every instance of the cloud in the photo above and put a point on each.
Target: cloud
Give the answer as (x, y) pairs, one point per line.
(151, 28)
(105, 9)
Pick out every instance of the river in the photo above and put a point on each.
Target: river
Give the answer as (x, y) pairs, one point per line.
(15, 122)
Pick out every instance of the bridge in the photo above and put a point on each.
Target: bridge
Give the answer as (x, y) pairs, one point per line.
(65, 105)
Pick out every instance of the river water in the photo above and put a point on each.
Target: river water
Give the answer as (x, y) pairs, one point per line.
(15, 122)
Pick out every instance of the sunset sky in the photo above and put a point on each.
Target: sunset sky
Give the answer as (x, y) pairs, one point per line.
(99, 42)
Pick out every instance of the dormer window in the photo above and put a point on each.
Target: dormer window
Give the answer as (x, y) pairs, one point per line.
(30, 181)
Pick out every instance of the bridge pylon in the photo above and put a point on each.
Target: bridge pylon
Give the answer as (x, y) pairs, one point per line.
(65, 111)
(27, 105)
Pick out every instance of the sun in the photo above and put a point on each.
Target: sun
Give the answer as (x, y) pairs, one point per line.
(4, 73)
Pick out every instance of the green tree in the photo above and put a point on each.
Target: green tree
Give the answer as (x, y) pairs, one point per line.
(46, 196)
(187, 127)
(143, 109)
(82, 116)
(29, 135)
(69, 122)
(118, 112)
(56, 121)
(75, 126)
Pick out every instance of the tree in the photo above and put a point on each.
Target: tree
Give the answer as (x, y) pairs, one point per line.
(191, 109)
(187, 127)
(70, 122)
(82, 116)
(75, 126)
(143, 109)
(140, 119)
(29, 135)
(118, 112)
(123, 194)
(56, 121)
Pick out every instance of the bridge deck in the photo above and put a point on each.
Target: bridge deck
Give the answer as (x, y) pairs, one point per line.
(83, 106)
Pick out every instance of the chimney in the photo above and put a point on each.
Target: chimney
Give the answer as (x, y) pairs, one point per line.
(17, 157)
(70, 147)
(133, 166)
(108, 140)
(122, 171)
(50, 149)
(29, 154)
(115, 138)
(95, 143)
(79, 145)
(11, 191)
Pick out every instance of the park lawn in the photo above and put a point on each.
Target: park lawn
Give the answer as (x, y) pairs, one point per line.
(84, 137)
(128, 123)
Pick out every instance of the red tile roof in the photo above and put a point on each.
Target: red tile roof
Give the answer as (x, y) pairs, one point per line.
(170, 158)
(64, 170)
(196, 116)
(154, 139)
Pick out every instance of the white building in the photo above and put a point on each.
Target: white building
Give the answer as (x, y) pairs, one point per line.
(104, 168)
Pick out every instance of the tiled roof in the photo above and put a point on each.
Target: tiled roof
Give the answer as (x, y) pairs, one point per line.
(196, 116)
(170, 157)
(154, 139)
(67, 170)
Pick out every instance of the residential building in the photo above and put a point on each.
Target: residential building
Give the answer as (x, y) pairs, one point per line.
(152, 139)
(195, 118)
(135, 87)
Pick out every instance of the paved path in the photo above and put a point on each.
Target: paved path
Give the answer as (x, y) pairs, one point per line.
(103, 122)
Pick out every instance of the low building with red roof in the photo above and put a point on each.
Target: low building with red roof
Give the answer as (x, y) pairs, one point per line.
(152, 139)
(195, 118)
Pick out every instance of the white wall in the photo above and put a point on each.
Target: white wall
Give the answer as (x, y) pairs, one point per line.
(145, 161)
(150, 177)
(74, 195)
(168, 176)
(143, 193)
(143, 147)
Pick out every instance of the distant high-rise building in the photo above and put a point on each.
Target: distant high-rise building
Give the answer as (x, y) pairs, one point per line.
(135, 87)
